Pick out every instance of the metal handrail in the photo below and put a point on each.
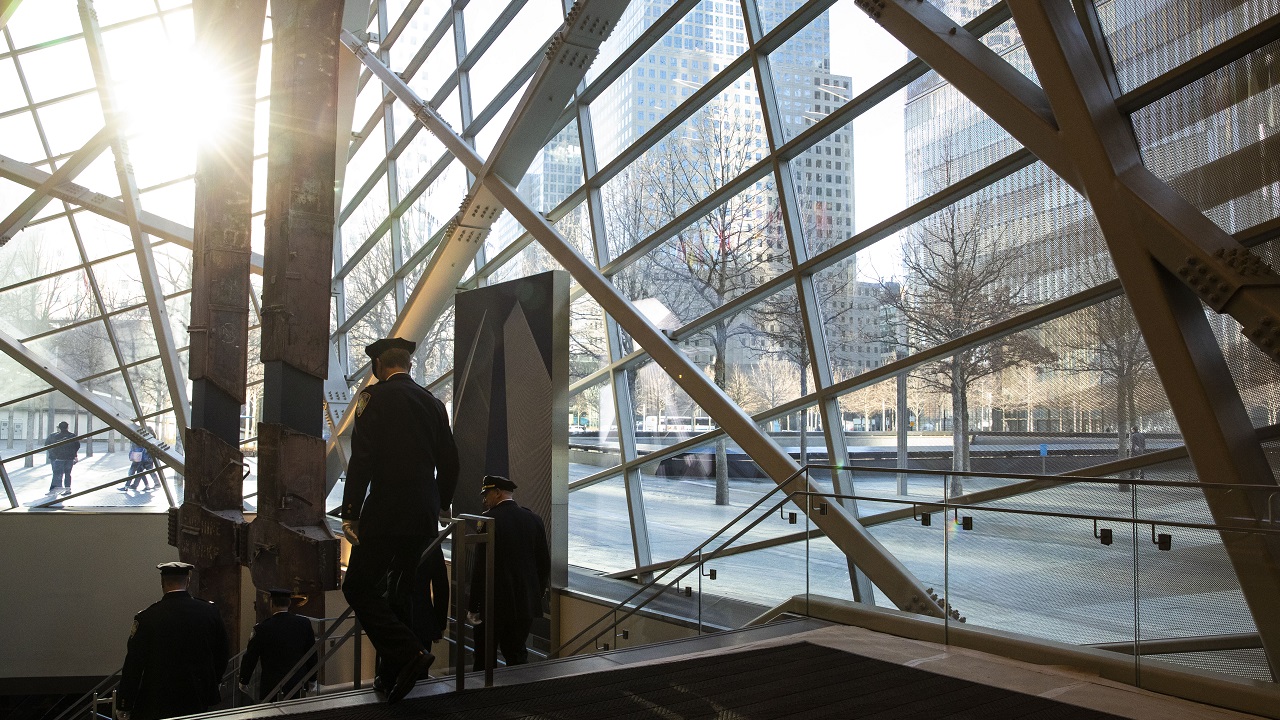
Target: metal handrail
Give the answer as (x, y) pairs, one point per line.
(111, 682)
(452, 527)
(945, 504)
(1062, 479)
(688, 556)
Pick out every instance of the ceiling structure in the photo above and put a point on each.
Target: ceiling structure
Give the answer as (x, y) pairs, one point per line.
(1112, 160)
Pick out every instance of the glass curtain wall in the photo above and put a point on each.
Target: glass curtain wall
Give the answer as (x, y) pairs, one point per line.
(816, 219)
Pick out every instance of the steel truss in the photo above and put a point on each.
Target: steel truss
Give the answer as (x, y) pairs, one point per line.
(491, 192)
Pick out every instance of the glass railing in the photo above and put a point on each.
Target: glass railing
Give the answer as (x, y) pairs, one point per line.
(1145, 564)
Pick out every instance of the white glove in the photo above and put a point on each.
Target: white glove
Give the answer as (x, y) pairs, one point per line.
(473, 618)
(351, 528)
(122, 715)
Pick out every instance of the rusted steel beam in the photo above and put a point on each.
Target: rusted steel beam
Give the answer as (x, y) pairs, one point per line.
(210, 528)
(290, 544)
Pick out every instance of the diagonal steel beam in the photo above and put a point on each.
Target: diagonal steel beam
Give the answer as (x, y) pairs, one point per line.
(7, 9)
(27, 209)
(82, 396)
(103, 206)
(1225, 275)
(175, 379)
(1145, 223)
(564, 65)
(890, 575)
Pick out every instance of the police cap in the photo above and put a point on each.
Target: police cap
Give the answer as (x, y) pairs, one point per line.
(496, 482)
(279, 595)
(377, 348)
(175, 568)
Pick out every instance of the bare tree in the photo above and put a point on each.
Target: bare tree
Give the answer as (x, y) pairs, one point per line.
(958, 278)
(725, 252)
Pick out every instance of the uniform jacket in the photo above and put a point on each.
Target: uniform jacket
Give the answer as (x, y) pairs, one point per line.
(402, 452)
(65, 451)
(279, 642)
(522, 564)
(177, 654)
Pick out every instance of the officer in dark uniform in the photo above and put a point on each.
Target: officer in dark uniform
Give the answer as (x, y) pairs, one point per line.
(403, 454)
(177, 653)
(279, 642)
(521, 568)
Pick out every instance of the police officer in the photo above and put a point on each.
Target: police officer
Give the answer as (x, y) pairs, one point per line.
(279, 642)
(177, 653)
(403, 454)
(521, 568)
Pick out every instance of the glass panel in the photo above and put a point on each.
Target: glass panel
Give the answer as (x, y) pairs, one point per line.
(39, 22)
(174, 202)
(70, 123)
(59, 70)
(80, 351)
(19, 139)
(721, 255)
(424, 20)
(525, 35)
(555, 173)
(115, 12)
(369, 276)
(41, 306)
(366, 161)
(434, 356)
(440, 67)
(102, 457)
(134, 335)
(1083, 589)
(478, 16)
(39, 250)
(15, 382)
(685, 503)
(1187, 586)
(423, 152)
(488, 136)
(533, 259)
(1149, 37)
(598, 522)
(1213, 141)
(588, 350)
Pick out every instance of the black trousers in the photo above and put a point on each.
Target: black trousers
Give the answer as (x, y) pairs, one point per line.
(511, 636)
(430, 601)
(378, 586)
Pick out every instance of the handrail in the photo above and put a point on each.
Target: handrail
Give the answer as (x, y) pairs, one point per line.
(313, 651)
(112, 681)
(555, 652)
(452, 526)
(1063, 478)
(945, 504)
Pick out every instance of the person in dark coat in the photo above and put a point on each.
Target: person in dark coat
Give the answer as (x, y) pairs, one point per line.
(279, 642)
(521, 568)
(62, 458)
(403, 454)
(177, 653)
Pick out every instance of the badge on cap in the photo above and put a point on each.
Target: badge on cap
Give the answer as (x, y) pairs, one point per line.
(496, 482)
(375, 349)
